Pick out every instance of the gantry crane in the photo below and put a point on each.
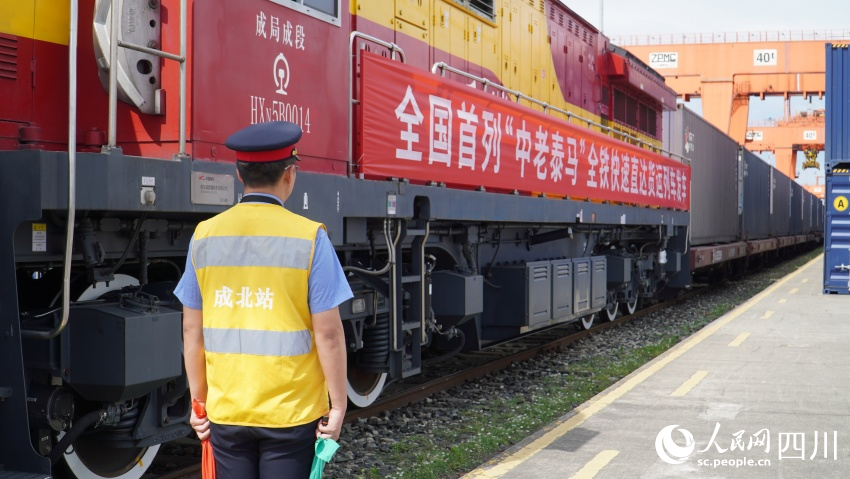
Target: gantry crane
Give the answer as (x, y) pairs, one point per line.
(725, 71)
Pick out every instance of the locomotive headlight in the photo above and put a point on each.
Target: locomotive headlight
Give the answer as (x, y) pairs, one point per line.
(358, 306)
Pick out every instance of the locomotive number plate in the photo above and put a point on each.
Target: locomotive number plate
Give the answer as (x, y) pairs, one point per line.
(212, 189)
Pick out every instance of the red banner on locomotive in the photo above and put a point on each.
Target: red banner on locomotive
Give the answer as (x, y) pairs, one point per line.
(418, 126)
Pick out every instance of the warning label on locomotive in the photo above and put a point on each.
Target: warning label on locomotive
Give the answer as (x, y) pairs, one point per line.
(419, 126)
(212, 189)
(39, 237)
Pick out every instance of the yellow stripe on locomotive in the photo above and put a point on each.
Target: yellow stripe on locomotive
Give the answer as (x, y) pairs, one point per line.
(512, 40)
(39, 20)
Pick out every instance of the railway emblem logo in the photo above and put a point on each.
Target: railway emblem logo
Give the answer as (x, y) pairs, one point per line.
(281, 74)
(668, 450)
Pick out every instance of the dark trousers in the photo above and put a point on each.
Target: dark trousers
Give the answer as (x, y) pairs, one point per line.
(243, 452)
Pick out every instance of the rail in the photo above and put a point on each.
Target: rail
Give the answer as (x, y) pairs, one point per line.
(114, 44)
(731, 37)
(443, 67)
(393, 48)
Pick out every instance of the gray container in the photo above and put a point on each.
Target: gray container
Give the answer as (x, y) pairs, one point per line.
(714, 175)
(796, 213)
(806, 221)
(780, 209)
(755, 209)
(813, 215)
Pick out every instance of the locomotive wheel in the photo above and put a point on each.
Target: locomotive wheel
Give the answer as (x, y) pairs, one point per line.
(364, 387)
(90, 458)
(93, 458)
(95, 292)
(611, 312)
(631, 306)
(587, 321)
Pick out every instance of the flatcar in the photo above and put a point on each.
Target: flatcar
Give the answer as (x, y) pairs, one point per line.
(485, 168)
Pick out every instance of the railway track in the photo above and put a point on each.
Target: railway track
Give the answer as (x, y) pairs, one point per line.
(492, 359)
(524, 348)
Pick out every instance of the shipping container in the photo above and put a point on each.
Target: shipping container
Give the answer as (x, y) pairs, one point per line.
(796, 213)
(837, 142)
(780, 204)
(806, 214)
(756, 196)
(714, 169)
(837, 166)
(837, 237)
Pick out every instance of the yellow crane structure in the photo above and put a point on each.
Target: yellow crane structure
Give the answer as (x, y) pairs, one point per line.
(725, 70)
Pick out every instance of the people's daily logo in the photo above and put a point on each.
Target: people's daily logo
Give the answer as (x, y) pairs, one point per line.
(668, 450)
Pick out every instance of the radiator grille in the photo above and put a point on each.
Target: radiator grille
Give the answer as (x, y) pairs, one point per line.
(8, 57)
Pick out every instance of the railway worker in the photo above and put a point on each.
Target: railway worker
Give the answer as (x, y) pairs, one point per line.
(263, 340)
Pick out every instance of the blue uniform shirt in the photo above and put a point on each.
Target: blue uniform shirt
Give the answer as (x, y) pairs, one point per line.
(327, 287)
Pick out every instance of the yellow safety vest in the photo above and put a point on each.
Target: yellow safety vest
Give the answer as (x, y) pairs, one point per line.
(253, 263)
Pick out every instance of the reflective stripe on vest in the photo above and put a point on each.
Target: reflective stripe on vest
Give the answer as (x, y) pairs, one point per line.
(257, 342)
(272, 251)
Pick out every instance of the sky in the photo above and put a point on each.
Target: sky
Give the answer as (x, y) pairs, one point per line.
(660, 17)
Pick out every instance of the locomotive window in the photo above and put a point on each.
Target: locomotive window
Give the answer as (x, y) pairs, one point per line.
(327, 6)
(652, 127)
(648, 120)
(484, 7)
(327, 10)
(644, 117)
(631, 111)
(619, 106)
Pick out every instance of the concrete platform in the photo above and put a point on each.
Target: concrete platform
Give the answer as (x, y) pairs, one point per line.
(762, 392)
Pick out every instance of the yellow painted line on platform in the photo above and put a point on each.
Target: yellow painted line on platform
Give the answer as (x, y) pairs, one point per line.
(592, 468)
(740, 339)
(691, 383)
(805, 280)
(767, 314)
(794, 291)
(504, 464)
(783, 301)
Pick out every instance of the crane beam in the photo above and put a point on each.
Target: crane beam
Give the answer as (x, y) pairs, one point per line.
(725, 75)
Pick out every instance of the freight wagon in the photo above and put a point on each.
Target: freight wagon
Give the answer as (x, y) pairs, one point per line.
(744, 212)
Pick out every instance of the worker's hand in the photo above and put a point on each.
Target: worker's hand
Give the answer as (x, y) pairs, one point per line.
(333, 427)
(201, 426)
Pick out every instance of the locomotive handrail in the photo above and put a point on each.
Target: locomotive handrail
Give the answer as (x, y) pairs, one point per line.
(114, 43)
(72, 180)
(390, 267)
(521, 96)
(393, 48)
